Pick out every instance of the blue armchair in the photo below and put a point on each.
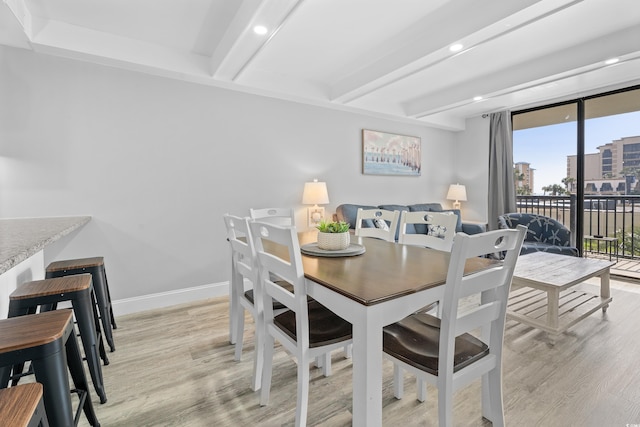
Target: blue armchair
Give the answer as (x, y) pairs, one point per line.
(544, 234)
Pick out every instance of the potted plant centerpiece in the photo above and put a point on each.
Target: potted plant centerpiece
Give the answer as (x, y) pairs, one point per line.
(333, 235)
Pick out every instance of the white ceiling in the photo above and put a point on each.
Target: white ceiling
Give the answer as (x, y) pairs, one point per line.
(389, 58)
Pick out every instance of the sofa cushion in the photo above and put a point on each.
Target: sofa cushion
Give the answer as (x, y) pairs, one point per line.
(348, 213)
(531, 247)
(434, 207)
(419, 207)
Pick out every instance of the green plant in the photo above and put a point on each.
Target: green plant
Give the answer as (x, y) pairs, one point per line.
(333, 226)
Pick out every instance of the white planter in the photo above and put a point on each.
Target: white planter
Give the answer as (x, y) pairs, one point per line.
(333, 241)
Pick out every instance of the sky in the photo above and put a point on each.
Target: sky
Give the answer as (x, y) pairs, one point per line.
(546, 148)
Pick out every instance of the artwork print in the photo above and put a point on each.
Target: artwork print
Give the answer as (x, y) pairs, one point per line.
(390, 154)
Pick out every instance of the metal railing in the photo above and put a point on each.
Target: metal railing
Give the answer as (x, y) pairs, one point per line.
(608, 216)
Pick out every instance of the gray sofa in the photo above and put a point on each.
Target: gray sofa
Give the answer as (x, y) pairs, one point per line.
(348, 212)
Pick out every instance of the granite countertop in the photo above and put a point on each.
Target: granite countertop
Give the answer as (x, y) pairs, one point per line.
(22, 237)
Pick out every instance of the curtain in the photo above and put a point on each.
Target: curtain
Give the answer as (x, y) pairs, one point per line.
(502, 189)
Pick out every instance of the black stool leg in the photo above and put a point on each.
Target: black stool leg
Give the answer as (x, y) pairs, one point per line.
(79, 379)
(104, 306)
(15, 310)
(83, 309)
(106, 286)
(96, 321)
(5, 375)
(51, 371)
(41, 413)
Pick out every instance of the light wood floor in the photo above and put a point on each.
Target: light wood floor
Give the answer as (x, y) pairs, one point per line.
(174, 367)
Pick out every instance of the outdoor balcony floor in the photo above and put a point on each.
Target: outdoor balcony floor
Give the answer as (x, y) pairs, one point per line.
(625, 267)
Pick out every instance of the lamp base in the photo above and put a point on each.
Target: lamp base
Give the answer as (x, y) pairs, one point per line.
(316, 214)
(456, 205)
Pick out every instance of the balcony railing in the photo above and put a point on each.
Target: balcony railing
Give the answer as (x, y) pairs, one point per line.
(610, 216)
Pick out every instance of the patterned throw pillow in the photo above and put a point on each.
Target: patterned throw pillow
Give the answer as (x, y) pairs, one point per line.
(436, 231)
(381, 224)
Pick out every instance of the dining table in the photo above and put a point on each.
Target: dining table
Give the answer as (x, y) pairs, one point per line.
(371, 290)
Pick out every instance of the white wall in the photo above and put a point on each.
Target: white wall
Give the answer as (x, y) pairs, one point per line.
(157, 162)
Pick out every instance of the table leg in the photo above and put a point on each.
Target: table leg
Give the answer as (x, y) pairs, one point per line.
(553, 301)
(605, 288)
(367, 373)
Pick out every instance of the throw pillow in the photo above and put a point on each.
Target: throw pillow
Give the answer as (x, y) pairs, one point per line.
(436, 231)
(381, 224)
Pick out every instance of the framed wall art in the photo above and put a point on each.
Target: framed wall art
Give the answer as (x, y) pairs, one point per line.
(390, 154)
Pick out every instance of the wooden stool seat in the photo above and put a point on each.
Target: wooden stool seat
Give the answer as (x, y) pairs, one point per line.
(48, 341)
(22, 406)
(49, 292)
(39, 288)
(95, 267)
(73, 264)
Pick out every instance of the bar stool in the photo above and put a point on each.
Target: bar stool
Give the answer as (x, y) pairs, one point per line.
(77, 289)
(22, 406)
(48, 341)
(94, 266)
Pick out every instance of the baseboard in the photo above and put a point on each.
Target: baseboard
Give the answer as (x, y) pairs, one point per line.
(166, 299)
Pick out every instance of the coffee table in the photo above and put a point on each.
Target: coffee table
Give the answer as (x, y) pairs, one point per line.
(542, 295)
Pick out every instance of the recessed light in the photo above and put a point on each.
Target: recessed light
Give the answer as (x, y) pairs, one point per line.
(611, 61)
(456, 47)
(260, 30)
(477, 98)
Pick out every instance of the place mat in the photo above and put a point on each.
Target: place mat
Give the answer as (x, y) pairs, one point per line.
(313, 249)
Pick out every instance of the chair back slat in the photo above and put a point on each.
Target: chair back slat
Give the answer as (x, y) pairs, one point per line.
(478, 316)
(279, 216)
(390, 219)
(286, 265)
(483, 281)
(441, 229)
(491, 284)
(242, 253)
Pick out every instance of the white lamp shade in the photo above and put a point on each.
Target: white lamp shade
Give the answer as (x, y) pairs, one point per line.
(315, 193)
(457, 192)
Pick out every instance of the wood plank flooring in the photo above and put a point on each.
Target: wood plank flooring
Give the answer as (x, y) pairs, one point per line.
(174, 367)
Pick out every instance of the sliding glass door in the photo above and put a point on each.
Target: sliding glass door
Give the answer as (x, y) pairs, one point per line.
(584, 156)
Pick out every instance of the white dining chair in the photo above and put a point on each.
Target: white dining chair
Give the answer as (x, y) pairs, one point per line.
(441, 351)
(439, 229)
(383, 224)
(282, 216)
(286, 217)
(245, 275)
(308, 329)
(279, 216)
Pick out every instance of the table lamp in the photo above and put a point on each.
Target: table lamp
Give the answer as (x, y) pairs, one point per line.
(315, 193)
(457, 192)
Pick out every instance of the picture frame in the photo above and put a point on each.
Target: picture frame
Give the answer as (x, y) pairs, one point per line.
(386, 153)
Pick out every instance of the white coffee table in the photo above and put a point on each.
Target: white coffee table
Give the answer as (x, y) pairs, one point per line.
(541, 294)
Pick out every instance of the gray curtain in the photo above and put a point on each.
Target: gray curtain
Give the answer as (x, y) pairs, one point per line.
(502, 189)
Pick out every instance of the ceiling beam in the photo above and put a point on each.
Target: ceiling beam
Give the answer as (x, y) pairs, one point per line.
(619, 43)
(240, 45)
(466, 19)
(237, 26)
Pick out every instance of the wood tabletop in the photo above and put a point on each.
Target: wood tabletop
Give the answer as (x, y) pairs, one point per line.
(385, 271)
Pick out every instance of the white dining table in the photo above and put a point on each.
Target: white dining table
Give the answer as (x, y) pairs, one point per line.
(385, 284)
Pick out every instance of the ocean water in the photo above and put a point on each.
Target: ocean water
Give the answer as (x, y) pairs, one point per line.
(375, 168)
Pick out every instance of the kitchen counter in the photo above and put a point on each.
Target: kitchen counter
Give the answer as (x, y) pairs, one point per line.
(20, 238)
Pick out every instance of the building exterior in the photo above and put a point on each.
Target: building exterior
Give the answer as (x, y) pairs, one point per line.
(612, 170)
(525, 171)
